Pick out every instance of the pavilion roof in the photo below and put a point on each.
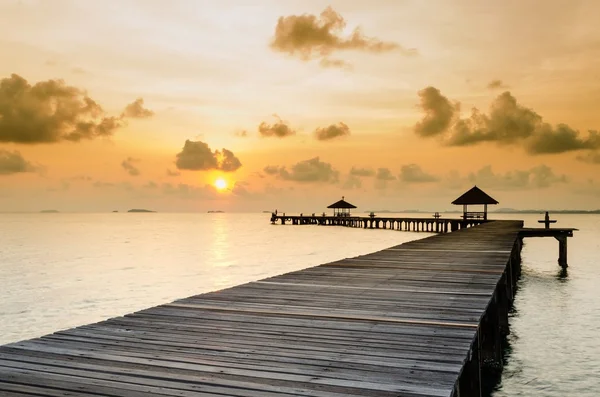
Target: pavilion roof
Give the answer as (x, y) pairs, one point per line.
(341, 204)
(474, 196)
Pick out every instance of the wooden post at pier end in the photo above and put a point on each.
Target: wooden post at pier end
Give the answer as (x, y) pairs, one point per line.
(562, 251)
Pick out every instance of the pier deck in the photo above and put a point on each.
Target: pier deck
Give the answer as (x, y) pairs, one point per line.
(417, 319)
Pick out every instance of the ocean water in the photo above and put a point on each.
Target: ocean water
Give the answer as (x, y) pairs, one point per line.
(62, 270)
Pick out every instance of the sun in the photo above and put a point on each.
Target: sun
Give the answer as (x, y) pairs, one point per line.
(220, 184)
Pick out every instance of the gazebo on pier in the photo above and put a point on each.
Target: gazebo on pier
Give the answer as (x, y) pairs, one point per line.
(341, 208)
(475, 196)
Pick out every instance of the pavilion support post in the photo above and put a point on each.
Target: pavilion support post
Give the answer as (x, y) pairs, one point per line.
(485, 212)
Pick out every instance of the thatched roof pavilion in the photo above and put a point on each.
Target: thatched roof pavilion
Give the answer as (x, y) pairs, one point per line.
(341, 208)
(475, 196)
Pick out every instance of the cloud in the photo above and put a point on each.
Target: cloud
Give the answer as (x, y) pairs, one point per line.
(383, 177)
(439, 112)
(271, 170)
(507, 123)
(128, 166)
(137, 110)
(384, 174)
(412, 173)
(189, 192)
(316, 37)
(312, 170)
(241, 134)
(335, 63)
(363, 172)
(331, 132)
(198, 156)
(14, 163)
(229, 162)
(591, 158)
(497, 84)
(50, 111)
(173, 173)
(541, 176)
(561, 139)
(150, 185)
(63, 186)
(279, 129)
(102, 184)
(352, 182)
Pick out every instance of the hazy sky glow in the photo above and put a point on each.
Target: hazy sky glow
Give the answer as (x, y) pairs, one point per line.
(394, 104)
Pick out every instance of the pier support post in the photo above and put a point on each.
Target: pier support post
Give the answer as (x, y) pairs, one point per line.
(491, 338)
(562, 251)
(469, 384)
(504, 303)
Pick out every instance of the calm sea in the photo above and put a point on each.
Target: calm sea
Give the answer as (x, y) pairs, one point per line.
(62, 270)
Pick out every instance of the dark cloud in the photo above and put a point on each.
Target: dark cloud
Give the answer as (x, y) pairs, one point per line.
(137, 110)
(497, 84)
(150, 185)
(384, 174)
(128, 165)
(439, 112)
(561, 139)
(50, 111)
(279, 129)
(198, 156)
(312, 170)
(312, 37)
(541, 176)
(365, 172)
(173, 173)
(592, 158)
(331, 132)
(14, 163)
(241, 134)
(229, 162)
(412, 173)
(507, 123)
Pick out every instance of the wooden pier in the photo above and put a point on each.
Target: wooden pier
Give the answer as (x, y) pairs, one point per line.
(421, 319)
(432, 225)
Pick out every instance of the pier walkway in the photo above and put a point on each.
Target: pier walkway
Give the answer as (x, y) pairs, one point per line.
(418, 319)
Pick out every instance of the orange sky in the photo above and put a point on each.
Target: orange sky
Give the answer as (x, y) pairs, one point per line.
(145, 103)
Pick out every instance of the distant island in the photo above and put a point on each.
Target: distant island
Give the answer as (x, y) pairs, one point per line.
(49, 211)
(215, 212)
(139, 210)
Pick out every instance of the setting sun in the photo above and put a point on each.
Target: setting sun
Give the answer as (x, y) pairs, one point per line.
(220, 184)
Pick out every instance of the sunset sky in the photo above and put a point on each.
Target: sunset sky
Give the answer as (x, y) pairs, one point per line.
(396, 104)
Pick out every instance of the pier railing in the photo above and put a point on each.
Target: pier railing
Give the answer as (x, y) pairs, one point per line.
(437, 225)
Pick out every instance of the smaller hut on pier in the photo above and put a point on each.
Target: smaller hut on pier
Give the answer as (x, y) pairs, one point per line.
(475, 196)
(341, 208)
